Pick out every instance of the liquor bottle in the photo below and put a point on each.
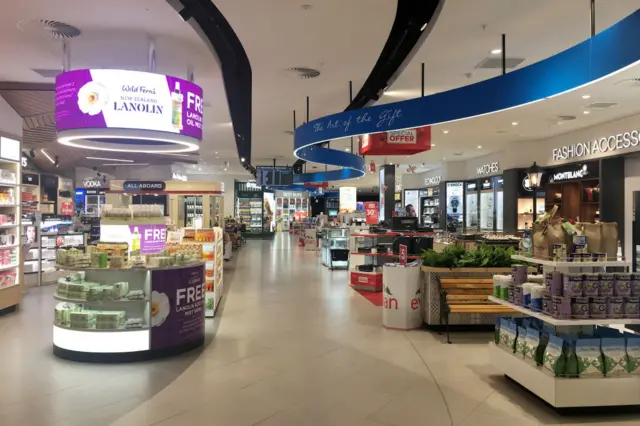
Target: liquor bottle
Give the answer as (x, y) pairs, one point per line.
(176, 107)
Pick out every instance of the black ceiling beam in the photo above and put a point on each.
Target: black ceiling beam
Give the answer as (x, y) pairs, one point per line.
(404, 38)
(213, 27)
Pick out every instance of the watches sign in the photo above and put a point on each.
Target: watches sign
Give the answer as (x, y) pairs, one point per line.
(488, 169)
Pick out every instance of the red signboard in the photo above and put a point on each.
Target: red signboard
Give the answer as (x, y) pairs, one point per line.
(317, 184)
(397, 142)
(371, 210)
(403, 254)
(66, 209)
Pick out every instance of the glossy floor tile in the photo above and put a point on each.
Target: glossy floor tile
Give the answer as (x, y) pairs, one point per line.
(292, 345)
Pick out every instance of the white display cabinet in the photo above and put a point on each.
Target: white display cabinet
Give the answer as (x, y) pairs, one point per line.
(561, 392)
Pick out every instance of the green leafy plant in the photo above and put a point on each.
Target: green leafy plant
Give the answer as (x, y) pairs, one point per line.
(485, 256)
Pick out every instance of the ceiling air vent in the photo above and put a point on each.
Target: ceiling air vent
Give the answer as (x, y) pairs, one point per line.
(304, 72)
(565, 118)
(630, 82)
(289, 132)
(458, 153)
(496, 63)
(50, 29)
(47, 73)
(601, 105)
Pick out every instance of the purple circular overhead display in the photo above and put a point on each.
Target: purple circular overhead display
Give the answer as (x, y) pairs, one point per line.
(118, 110)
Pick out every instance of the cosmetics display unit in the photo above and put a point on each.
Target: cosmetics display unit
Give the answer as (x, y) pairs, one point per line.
(291, 206)
(131, 298)
(10, 253)
(576, 351)
(430, 208)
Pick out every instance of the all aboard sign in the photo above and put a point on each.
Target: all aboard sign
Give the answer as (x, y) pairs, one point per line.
(396, 142)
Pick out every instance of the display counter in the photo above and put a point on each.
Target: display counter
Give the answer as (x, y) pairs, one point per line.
(335, 248)
(129, 314)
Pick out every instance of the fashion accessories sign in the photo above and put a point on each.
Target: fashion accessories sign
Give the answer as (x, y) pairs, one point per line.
(609, 143)
(119, 99)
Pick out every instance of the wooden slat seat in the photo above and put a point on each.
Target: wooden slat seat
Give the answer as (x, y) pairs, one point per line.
(467, 295)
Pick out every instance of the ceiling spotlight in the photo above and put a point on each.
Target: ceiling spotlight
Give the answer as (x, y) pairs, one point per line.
(199, 169)
(586, 112)
(32, 153)
(225, 169)
(514, 123)
(445, 131)
(479, 146)
(57, 161)
(242, 159)
(347, 149)
(216, 152)
(496, 51)
(444, 158)
(586, 96)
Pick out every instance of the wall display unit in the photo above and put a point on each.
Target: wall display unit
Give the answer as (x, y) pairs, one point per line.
(525, 202)
(455, 206)
(288, 204)
(484, 205)
(10, 217)
(255, 208)
(472, 216)
(575, 189)
(430, 207)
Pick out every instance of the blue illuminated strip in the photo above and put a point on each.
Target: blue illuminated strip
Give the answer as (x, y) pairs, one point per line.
(608, 52)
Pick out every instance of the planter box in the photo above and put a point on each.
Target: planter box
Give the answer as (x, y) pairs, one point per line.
(431, 293)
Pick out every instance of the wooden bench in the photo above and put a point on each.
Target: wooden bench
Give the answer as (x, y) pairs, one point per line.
(467, 295)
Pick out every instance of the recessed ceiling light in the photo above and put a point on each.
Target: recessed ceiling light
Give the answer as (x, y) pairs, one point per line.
(586, 96)
(515, 123)
(445, 131)
(225, 169)
(216, 152)
(199, 169)
(444, 158)
(346, 149)
(217, 157)
(496, 51)
(242, 159)
(479, 146)
(586, 112)
(432, 145)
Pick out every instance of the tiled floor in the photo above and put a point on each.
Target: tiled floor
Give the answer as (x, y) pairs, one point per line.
(294, 346)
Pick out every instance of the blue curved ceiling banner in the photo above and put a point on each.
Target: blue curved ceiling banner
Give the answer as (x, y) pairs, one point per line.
(609, 51)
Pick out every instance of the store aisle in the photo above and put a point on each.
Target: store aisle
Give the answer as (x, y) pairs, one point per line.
(294, 346)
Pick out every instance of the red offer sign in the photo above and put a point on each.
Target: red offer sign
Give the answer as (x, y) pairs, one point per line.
(371, 210)
(403, 254)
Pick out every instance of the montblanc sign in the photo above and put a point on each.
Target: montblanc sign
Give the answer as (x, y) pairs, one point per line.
(611, 143)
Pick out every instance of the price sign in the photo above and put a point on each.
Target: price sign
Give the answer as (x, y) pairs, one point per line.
(403, 254)
(371, 210)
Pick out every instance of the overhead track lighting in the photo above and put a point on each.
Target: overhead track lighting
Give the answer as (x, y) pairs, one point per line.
(109, 159)
(47, 155)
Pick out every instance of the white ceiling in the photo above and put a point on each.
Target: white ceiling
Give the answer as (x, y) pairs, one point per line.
(340, 39)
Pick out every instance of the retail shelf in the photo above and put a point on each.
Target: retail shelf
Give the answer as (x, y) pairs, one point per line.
(11, 225)
(9, 247)
(394, 234)
(96, 302)
(8, 185)
(10, 286)
(550, 320)
(93, 330)
(4, 268)
(554, 264)
(567, 392)
(8, 205)
(130, 268)
(384, 255)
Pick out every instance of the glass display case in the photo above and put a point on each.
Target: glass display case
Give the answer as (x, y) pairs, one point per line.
(335, 248)
(455, 206)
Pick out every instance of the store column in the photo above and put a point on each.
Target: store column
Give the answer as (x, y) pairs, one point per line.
(612, 194)
(387, 191)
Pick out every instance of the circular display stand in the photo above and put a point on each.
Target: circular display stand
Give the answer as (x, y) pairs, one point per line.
(173, 312)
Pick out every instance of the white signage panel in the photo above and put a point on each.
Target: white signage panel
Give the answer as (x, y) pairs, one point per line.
(348, 196)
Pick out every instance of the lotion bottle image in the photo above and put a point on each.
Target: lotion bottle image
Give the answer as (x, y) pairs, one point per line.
(176, 107)
(135, 241)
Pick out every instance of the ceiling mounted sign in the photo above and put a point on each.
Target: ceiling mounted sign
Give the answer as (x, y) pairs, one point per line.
(131, 111)
(598, 57)
(397, 142)
(141, 186)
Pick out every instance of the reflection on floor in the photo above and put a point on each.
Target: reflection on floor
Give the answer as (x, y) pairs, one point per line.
(295, 346)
